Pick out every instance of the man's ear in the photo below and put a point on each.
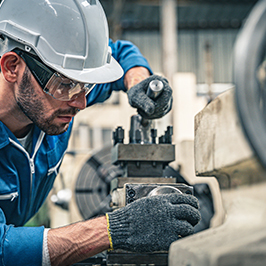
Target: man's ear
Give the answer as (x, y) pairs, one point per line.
(10, 63)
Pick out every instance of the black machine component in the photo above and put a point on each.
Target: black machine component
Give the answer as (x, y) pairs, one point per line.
(143, 162)
(93, 186)
(137, 191)
(250, 79)
(142, 156)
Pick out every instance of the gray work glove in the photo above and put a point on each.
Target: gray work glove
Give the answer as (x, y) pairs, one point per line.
(153, 223)
(148, 108)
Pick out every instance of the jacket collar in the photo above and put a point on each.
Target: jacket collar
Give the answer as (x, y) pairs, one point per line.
(5, 134)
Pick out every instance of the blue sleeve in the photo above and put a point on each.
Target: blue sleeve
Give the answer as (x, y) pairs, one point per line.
(128, 56)
(20, 246)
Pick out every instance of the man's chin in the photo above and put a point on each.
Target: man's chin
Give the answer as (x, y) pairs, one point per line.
(55, 129)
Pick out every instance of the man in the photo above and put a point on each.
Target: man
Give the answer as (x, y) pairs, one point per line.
(52, 55)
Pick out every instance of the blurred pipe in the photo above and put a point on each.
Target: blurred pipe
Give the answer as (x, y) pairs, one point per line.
(209, 71)
(169, 41)
(169, 37)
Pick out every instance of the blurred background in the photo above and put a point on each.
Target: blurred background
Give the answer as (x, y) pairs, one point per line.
(191, 43)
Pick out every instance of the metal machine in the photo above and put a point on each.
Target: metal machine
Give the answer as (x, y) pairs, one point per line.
(230, 144)
(119, 175)
(143, 162)
(234, 151)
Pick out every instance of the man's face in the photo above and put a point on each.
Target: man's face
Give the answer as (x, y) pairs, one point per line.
(50, 115)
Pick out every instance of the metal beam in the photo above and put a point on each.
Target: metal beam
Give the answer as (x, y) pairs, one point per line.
(169, 37)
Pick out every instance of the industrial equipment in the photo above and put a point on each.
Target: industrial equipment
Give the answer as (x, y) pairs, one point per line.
(119, 175)
(230, 144)
(143, 162)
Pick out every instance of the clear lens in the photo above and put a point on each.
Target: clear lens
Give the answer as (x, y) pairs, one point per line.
(65, 89)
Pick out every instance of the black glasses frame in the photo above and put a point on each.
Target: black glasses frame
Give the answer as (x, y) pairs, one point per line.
(40, 71)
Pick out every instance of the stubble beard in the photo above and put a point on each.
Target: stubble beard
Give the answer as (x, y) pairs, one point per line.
(32, 106)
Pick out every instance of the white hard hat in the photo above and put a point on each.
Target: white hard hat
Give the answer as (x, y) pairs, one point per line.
(70, 36)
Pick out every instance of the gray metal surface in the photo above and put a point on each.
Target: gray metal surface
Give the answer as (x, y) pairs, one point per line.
(138, 191)
(240, 241)
(128, 258)
(121, 181)
(143, 152)
(249, 58)
(143, 160)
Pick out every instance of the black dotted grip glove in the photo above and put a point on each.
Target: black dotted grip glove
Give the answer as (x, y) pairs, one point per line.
(153, 223)
(148, 108)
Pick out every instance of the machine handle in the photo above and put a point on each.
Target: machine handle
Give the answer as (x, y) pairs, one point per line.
(155, 89)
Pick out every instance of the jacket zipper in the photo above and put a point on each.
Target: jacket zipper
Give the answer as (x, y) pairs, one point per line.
(10, 196)
(53, 169)
(31, 160)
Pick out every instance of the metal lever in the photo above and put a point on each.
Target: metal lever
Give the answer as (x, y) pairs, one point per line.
(154, 90)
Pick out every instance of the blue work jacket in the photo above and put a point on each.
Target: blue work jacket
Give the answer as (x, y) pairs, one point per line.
(26, 179)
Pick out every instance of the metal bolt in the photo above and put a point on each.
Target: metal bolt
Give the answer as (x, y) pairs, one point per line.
(162, 140)
(131, 193)
(168, 135)
(138, 136)
(188, 192)
(153, 135)
(130, 200)
(120, 134)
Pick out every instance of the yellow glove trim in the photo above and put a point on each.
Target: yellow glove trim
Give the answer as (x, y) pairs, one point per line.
(109, 233)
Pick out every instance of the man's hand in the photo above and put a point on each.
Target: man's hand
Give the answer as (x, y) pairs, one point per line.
(153, 223)
(147, 107)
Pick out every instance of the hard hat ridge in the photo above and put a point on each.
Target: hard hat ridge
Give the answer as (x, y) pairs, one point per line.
(70, 36)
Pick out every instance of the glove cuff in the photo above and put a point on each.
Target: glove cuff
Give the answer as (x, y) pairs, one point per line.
(109, 233)
(118, 229)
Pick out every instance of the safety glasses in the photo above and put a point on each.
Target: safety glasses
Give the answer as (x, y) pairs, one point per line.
(52, 82)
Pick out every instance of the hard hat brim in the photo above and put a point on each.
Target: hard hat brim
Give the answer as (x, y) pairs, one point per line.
(107, 73)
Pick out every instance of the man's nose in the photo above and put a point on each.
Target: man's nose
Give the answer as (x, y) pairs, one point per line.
(79, 101)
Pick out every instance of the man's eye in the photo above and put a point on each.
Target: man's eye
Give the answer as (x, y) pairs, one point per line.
(67, 84)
